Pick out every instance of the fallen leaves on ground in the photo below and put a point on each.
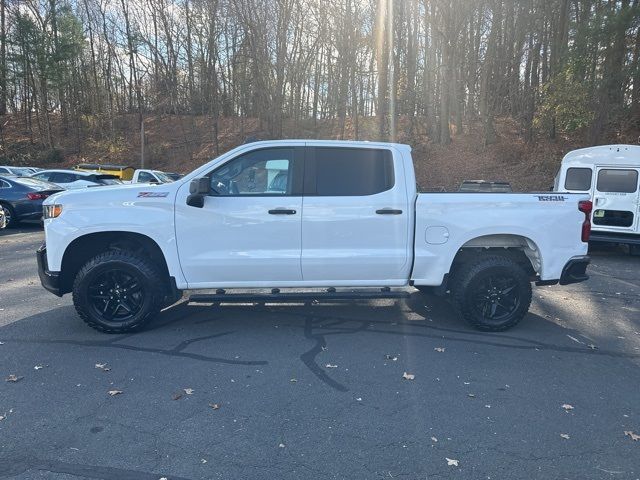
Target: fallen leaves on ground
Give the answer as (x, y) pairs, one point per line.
(39, 367)
(113, 393)
(565, 436)
(188, 391)
(176, 396)
(592, 346)
(439, 349)
(103, 367)
(393, 358)
(471, 395)
(215, 406)
(434, 439)
(13, 378)
(452, 462)
(282, 445)
(632, 435)
(294, 380)
(408, 376)
(567, 407)
(328, 365)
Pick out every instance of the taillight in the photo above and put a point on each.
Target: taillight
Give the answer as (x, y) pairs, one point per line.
(36, 196)
(585, 206)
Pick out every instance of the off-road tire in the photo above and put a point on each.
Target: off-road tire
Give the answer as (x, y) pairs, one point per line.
(472, 277)
(152, 283)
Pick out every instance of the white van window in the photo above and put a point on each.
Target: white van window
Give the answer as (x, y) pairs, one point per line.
(578, 179)
(619, 181)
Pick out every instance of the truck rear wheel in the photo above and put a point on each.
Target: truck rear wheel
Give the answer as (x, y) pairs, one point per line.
(492, 293)
(118, 291)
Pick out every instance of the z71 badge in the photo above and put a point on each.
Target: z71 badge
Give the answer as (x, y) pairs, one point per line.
(152, 194)
(551, 198)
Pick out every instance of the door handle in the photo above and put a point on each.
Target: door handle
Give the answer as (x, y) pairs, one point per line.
(388, 211)
(282, 211)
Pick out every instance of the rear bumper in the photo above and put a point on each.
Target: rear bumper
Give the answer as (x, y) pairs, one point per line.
(50, 280)
(575, 270)
(614, 237)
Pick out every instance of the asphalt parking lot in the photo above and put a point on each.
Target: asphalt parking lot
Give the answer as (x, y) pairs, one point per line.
(296, 392)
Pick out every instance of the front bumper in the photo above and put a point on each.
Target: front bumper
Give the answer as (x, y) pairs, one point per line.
(50, 280)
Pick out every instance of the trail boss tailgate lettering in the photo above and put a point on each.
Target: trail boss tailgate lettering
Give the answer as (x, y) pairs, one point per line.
(551, 198)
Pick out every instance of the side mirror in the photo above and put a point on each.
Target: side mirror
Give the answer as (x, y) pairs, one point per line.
(198, 188)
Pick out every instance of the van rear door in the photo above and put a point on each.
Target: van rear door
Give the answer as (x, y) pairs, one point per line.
(616, 199)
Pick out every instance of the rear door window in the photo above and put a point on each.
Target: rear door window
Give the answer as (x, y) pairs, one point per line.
(335, 171)
(578, 179)
(617, 181)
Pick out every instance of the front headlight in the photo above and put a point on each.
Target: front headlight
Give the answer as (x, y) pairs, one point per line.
(51, 211)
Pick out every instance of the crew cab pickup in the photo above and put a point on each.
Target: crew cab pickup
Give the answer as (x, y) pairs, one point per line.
(343, 217)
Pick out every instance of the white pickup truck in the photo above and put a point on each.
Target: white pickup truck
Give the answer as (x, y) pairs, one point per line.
(327, 219)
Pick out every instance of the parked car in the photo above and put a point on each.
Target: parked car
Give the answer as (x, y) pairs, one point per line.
(610, 174)
(484, 186)
(72, 179)
(149, 176)
(238, 222)
(123, 172)
(21, 198)
(17, 171)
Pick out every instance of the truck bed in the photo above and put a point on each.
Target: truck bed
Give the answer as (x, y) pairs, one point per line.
(537, 221)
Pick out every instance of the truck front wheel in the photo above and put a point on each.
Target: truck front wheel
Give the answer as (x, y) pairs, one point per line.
(492, 293)
(118, 291)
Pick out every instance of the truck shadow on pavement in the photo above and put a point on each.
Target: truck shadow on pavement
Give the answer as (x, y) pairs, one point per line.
(191, 332)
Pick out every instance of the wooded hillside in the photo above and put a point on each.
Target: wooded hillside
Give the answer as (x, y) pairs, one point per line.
(75, 74)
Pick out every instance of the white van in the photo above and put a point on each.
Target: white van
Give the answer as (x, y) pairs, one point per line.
(610, 174)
